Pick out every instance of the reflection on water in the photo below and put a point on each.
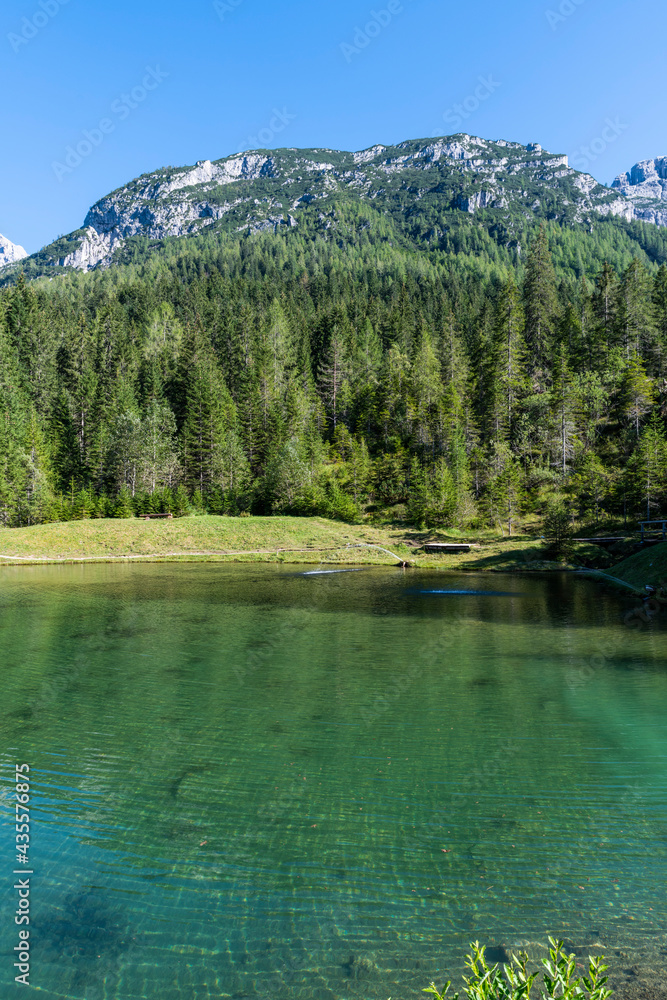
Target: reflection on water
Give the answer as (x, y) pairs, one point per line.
(253, 782)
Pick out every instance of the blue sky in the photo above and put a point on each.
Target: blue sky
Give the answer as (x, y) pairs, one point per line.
(173, 83)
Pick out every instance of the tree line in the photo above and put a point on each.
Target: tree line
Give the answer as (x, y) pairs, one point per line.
(292, 376)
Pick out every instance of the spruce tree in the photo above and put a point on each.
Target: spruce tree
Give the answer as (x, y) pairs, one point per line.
(647, 469)
(209, 417)
(563, 408)
(636, 317)
(541, 301)
(334, 374)
(507, 380)
(636, 392)
(660, 306)
(605, 308)
(425, 405)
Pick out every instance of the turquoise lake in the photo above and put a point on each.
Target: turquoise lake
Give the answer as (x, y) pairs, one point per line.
(259, 781)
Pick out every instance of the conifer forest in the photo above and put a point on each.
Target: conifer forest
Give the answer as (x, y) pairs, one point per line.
(475, 387)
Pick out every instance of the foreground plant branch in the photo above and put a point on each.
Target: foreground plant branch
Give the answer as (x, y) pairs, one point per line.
(512, 981)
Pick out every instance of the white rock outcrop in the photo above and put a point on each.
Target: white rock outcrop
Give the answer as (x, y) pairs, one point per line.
(10, 252)
(646, 187)
(647, 179)
(465, 172)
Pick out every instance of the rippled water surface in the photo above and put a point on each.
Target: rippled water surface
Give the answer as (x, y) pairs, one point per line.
(252, 782)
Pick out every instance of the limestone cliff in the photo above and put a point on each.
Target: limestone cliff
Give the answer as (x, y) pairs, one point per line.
(10, 252)
(646, 186)
(266, 190)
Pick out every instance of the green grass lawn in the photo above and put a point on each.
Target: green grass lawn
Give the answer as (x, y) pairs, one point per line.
(647, 566)
(194, 537)
(259, 539)
(273, 539)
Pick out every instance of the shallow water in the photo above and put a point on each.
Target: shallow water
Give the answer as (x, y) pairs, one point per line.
(251, 781)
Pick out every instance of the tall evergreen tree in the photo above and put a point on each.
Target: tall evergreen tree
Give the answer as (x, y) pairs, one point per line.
(637, 393)
(647, 469)
(541, 301)
(635, 317)
(507, 363)
(210, 416)
(660, 306)
(563, 398)
(605, 309)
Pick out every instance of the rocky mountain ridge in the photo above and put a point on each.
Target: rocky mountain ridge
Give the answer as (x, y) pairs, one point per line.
(266, 190)
(646, 186)
(10, 252)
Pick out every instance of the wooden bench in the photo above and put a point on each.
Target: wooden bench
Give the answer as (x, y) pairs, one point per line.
(449, 547)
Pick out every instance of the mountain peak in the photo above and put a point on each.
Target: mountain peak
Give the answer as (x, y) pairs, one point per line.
(10, 252)
(647, 180)
(437, 178)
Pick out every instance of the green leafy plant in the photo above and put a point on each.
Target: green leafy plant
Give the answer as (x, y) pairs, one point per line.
(560, 981)
(511, 980)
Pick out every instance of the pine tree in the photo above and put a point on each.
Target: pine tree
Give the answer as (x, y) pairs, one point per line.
(647, 469)
(541, 301)
(636, 393)
(392, 396)
(605, 307)
(505, 494)
(80, 403)
(457, 399)
(591, 485)
(660, 307)
(209, 417)
(425, 400)
(334, 374)
(507, 363)
(14, 418)
(159, 466)
(636, 318)
(440, 497)
(162, 345)
(123, 506)
(563, 408)
(587, 344)
(38, 473)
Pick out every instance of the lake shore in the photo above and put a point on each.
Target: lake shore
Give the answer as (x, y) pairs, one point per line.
(143, 627)
(294, 540)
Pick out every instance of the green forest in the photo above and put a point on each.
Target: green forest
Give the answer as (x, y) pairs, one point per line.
(345, 376)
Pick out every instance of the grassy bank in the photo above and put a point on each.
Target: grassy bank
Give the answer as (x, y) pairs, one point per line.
(207, 537)
(647, 566)
(270, 539)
